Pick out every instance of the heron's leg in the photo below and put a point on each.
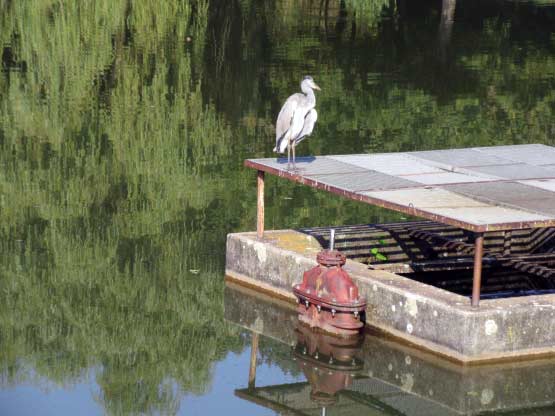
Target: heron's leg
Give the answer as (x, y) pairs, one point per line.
(288, 154)
(294, 158)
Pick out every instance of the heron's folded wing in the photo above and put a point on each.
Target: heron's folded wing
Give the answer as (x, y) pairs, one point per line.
(285, 117)
(309, 121)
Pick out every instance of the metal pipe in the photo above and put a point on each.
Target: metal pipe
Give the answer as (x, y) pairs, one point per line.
(332, 239)
(254, 353)
(477, 279)
(260, 205)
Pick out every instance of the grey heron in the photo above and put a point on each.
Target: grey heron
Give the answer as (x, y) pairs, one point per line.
(296, 119)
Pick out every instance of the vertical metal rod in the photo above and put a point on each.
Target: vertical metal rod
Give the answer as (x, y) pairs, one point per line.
(477, 281)
(254, 353)
(332, 239)
(260, 205)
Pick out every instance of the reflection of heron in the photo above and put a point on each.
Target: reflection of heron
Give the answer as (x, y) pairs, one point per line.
(296, 118)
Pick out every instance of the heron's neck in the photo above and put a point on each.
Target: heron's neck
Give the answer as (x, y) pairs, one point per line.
(309, 92)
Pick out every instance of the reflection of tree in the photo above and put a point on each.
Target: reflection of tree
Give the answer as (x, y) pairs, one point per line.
(446, 25)
(385, 90)
(383, 87)
(121, 145)
(105, 141)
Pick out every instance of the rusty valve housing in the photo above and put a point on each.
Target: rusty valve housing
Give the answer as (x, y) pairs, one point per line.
(328, 298)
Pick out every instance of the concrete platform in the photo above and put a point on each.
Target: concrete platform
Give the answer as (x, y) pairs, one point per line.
(393, 376)
(425, 316)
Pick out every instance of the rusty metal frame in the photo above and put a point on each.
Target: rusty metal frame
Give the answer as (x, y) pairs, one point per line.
(295, 177)
(260, 205)
(477, 273)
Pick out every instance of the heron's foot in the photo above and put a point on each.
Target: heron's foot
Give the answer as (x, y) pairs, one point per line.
(294, 167)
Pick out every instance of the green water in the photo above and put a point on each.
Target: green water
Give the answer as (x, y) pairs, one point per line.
(123, 127)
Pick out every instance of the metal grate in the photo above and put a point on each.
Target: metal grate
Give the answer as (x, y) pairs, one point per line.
(390, 164)
(510, 194)
(516, 171)
(444, 178)
(360, 181)
(458, 158)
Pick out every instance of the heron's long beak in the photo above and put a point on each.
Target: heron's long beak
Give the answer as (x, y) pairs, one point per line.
(316, 87)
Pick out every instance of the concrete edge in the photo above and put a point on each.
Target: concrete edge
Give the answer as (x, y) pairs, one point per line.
(388, 333)
(440, 296)
(260, 287)
(394, 282)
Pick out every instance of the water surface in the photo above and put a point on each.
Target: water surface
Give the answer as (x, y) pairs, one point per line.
(123, 127)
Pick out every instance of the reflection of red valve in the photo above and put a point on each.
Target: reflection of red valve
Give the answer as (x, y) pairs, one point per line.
(328, 363)
(328, 298)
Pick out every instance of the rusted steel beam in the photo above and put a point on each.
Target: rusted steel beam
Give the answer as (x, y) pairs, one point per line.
(260, 205)
(252, 367)
(477, 276)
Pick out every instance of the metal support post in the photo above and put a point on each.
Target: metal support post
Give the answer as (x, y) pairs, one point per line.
(477, 281)
(252, 368)
(260, 205)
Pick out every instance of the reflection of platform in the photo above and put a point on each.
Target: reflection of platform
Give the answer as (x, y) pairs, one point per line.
(366, 396)
(396, 378)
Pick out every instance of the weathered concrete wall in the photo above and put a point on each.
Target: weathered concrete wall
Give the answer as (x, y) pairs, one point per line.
(277, 261)
(464, 389)
(429, 317)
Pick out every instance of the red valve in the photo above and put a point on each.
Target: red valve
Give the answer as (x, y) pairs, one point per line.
(328, 298)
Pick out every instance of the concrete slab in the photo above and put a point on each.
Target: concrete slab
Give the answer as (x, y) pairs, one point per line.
(389, 164)
(431, 318)
(461, 207)
(444, 178)
(458, 158)
(532, 154)
(513, 195)
(363, 181)
(518, 171)
(548, 184)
